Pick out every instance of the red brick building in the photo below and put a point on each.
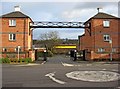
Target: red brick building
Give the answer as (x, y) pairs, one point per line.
(16, 33)
(104, 28)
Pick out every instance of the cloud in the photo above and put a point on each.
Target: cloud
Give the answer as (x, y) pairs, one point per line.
(84, 11)
(94, 5)
(61, 11)
(78, 14)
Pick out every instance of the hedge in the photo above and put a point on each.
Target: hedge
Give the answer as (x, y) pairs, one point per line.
(41, 54)
(7, 60)
(4, 60)
(27, 60)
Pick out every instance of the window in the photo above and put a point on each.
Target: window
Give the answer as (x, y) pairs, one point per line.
(106, 23)
(106, 37)
(4, 50)
(101, 50)
(12, 22)
(16, 49)
(12, 37)
(113, 49)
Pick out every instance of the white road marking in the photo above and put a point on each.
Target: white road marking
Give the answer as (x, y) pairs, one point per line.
(30, 64)
(115, 70)
(43, 62)
(118, 87)
(66, 64)
(51, 76)
(104, 69)
(89, 64)
(94, 76)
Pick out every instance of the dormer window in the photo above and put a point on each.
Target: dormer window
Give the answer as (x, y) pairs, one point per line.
(106, 23)
(12, 22)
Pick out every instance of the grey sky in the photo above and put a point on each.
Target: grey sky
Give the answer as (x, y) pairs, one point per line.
(61, 11)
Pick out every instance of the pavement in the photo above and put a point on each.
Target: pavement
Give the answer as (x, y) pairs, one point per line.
(53, 74)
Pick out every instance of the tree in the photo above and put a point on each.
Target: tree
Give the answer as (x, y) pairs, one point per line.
(49, 40)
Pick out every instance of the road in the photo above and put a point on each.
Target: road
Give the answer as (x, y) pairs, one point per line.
(53, 73)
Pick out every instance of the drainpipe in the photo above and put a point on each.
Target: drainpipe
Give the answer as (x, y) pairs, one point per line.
(24, 35)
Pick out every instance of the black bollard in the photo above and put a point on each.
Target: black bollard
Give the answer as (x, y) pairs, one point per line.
(71, 55)
(75, 55)
(45, 55)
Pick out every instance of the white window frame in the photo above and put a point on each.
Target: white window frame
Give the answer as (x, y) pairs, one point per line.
(4, 50)
(101, 50)
(12, 22)
(107, 36)
(106, 23)
(113, 49)
(11, 37)
(16, 49)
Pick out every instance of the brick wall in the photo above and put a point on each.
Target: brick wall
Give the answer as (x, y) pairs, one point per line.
(23, 36)
(95, 40)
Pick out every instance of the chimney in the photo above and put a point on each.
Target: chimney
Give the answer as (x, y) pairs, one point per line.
(99, 9)
(17, 8)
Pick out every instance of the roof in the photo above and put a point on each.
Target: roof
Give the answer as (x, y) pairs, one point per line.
(102, 15)
(16, 14)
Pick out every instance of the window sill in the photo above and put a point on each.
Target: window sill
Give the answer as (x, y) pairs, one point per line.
(101, 52)
(106, 40)
(106, 27)
(12, 26)
(12, 40)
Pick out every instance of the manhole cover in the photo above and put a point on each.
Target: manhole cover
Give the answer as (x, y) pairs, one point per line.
(94, 76)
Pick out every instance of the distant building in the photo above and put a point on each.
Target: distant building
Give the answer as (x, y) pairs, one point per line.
(62, 47)
(65, 46)
(16, 33)
(96, 40)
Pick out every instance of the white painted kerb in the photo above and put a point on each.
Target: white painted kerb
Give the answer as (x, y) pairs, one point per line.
(94, 76)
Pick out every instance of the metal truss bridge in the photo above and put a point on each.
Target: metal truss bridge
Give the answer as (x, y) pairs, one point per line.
(58, 25)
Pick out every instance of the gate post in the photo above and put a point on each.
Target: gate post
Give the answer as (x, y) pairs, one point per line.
(84, 55)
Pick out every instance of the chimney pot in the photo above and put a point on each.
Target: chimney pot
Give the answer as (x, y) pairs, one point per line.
(17, 8)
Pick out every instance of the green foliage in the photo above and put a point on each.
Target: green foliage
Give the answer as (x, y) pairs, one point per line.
(7, 60)
(117, 59)
(4, 60)
(0, 60)
(41, 54)
(14, 60)
(26, 60)
(49, 53)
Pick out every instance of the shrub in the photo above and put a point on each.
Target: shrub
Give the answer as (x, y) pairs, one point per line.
(49, 54)
(26, 60)
(116, 59)
(0, 60)
(41, 54)
(21, 60)
(14, 60)
(4, 60)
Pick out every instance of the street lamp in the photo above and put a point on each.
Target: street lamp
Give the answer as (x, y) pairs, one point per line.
(18, 52)
(110, 41)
